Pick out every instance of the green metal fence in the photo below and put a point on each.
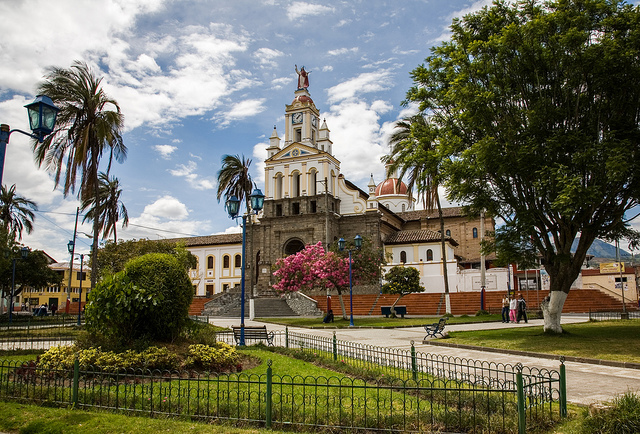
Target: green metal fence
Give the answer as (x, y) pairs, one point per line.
(37, 333)
(281, 401)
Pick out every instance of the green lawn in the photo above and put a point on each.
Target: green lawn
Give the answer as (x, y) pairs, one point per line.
(607, 340)
(375, 321)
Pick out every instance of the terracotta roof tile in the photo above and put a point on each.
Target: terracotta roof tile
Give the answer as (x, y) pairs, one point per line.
(417, 215)
(420, 236)
(209, 240)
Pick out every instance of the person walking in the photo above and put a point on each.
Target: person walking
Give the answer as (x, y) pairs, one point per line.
(522, 310)
(505, 308)
(513, 306)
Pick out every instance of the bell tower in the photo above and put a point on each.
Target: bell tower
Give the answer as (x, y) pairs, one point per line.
(301, 120)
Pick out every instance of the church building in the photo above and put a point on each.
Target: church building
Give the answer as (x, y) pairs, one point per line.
(308, 199)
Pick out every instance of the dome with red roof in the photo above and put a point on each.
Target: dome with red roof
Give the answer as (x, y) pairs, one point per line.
(302, 98)
(391, 186)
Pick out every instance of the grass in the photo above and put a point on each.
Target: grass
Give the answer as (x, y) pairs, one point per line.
(375, 321)
(614, 340)
(28, 419)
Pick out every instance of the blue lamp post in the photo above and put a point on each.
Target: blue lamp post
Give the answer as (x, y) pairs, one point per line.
(24, 252)
(42, 120)
(233, 208)
(357, 241)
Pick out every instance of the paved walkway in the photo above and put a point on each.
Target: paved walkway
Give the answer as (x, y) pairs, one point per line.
(586, 383)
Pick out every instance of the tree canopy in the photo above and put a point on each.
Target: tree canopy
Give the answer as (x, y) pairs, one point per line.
(536, 107)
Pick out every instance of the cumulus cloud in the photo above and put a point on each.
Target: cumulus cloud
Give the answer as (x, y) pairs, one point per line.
(242, 110)
(342, 51)
(165, 151)
(366, 82)
(166, 207)
(298, 10)
(267, 57)
(188, 172)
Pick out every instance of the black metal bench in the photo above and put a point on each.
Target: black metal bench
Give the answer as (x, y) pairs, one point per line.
(400, 310)
(435, 329)
(255, 333)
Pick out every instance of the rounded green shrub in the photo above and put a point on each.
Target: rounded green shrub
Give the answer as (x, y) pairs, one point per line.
(149, 301)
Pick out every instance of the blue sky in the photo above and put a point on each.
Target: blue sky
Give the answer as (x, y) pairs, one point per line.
(199, 79)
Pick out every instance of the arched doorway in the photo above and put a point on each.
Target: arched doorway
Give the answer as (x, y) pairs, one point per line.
(292, 246)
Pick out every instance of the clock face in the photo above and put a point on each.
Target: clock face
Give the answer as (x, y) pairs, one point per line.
(297, 118)
(314, 121)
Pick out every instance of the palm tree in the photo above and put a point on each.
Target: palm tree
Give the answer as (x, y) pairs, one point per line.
(109, 209)
(234, 179)
(16, 212)
(414, 152)
(89, 123)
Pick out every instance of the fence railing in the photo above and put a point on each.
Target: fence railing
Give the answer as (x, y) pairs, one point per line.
(543, 391)
(610, 315)
(37, 333)
(411, 391)
(279, 401)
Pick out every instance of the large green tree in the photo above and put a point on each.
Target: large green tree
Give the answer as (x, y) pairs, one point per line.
(89, 124)
(16, 212)
(537, 107)
(107, 206)
(414, 152)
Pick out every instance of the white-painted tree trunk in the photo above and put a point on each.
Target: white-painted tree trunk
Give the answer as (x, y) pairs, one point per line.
(447, 303)
(552, 311)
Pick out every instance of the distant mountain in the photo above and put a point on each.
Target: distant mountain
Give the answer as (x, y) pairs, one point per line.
(600, 249)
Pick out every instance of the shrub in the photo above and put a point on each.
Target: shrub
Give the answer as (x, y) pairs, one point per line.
(220, 357)
(482, 313)
(148, 300)
(622, 418)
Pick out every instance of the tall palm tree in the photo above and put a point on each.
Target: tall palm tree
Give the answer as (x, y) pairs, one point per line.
(109, 208)
(414, 153)
(16, 212)
(234, 178)
(89, 124)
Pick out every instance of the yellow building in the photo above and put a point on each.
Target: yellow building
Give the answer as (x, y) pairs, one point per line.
(57, 294)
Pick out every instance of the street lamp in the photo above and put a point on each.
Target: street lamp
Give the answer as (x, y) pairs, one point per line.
(42, 119)
(24, 252)
(233, 208)
(341, 244)
(80, 278)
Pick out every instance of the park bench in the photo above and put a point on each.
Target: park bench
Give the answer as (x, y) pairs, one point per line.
(255, 333)
(435, 329)
(400, 310)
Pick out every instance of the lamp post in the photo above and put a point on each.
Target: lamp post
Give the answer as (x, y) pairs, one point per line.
(24, 252)
(42, 119)
(341, 245)
(80, 278)
(233, 208)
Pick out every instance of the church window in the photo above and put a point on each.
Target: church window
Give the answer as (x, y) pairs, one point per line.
(279, 210)
(313, 137)
(403, 205)
(295, 184)
(403, 257)
(475, 232)
(313, 180)
(313, 207)
(226, 262)
(279, 179)
(295, 208)
(238, 261)
(429, 255)
(209, 262)
(298, 135)
(448, 233)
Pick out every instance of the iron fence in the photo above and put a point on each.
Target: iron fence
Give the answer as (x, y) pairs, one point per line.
(282, 400)
(595, 315)
(38, 333)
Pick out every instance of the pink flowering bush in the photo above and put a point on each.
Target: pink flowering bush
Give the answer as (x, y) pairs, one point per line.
(309, 268)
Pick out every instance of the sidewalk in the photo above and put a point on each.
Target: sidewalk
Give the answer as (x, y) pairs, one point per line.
(586, 383)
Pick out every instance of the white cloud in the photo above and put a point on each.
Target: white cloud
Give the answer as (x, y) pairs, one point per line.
(297, 10)
(366, 82)
(267, 57)
(342, 51)
(187, 171)
(165, 151)
(167, 207)
(242, 110)
(259, 155)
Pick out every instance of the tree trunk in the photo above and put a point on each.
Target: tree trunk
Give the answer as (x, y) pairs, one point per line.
(393, 306)
(96, 226)
(344, 312)
(444, 257)
(552, 311)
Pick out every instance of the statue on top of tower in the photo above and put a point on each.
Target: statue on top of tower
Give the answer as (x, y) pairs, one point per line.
(303, 77)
